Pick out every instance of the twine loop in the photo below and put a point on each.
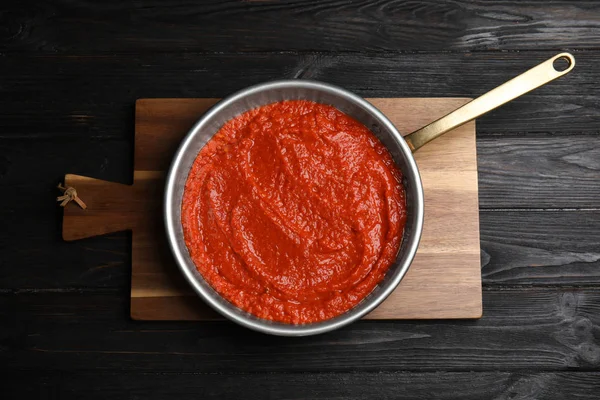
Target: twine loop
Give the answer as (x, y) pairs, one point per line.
(69, 194)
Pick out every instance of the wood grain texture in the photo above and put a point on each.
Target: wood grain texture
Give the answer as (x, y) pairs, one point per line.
(97, 93)
(160, 126)
(545, 171)
(70, 74)
(525, 247)
(561, 244)
(349, 386)
(114, 207)
(536, 247)
(448, 169)
(515, 171)
(72, 27)
(522, 329)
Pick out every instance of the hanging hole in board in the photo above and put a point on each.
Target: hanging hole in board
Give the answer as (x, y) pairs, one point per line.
(561, 64)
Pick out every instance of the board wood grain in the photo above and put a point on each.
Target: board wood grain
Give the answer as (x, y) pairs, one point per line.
(444, 280)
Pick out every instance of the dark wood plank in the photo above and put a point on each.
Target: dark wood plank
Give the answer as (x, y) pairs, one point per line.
(70, 26)
(41, 259)
(94, 97)
(561, 245)
(64, 327)
(550, 329)
(33, 163)
(518, 248)
(381, 386)
(540, 248)
(539, 172)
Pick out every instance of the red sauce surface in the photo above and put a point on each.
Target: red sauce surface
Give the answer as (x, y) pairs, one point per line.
(293, 211)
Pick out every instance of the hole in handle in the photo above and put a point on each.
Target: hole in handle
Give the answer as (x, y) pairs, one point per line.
(561, 64)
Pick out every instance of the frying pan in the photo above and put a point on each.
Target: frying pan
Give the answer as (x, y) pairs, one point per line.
(400, 148)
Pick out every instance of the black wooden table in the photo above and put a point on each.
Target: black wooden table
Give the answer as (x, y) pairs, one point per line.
(70, 72)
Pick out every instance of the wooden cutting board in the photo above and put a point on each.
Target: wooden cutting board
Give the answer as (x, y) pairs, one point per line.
(444, 280)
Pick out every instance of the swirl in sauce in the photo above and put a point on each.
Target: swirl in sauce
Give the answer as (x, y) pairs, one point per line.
(293, 211)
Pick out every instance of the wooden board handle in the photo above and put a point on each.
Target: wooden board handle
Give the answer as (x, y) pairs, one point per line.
(107, 204)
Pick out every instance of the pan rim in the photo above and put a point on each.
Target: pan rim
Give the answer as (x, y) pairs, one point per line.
(263, 325)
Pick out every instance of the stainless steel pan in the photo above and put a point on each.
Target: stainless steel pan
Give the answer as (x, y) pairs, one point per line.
(400, 148)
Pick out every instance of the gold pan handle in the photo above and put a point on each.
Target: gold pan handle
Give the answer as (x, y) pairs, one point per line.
(524, 83)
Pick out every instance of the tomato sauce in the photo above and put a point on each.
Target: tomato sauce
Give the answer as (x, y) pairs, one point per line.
(293, 212)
